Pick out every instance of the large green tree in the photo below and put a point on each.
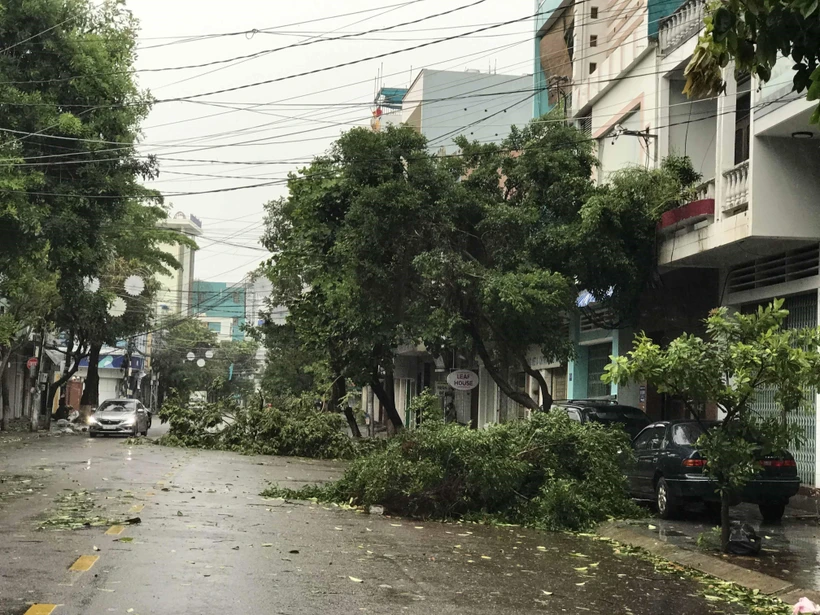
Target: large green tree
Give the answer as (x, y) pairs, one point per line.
(70, 123)
(381, 244)
(528, 230)
(754, 33)
(72, 109)
(345, 243)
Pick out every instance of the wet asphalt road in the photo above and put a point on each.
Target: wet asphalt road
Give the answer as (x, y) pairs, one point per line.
(208, 544)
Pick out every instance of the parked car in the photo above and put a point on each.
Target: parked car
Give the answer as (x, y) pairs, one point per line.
(669, 470)
(119, 416)
(633, 420)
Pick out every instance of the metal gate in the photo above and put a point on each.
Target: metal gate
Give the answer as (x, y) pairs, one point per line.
(802, 313)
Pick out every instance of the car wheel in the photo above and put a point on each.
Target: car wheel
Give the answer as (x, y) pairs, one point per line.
(772, 512)
(665, 499)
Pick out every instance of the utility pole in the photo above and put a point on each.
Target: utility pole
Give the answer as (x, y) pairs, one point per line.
(34, 402)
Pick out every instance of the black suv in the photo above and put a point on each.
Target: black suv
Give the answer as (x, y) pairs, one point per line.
(633, 420)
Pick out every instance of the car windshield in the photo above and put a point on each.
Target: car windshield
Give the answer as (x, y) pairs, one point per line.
(686, 434)
(117, 406)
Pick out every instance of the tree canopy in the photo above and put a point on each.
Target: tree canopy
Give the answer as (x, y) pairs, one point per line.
(754, 33)
(381, 244)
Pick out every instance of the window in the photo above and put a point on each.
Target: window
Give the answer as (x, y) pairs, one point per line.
(592, 67)
(593, 12)
(598, 359)
(649, 439)
(742, 127)
(593, 40)
(573, 414)
(215, 327)
(686, 434)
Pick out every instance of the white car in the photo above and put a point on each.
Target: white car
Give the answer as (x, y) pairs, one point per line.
(121, 417)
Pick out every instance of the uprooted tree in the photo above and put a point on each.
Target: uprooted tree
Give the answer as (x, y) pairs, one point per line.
(381, 244)
(344, 244)
(742, 355)
(527, 230)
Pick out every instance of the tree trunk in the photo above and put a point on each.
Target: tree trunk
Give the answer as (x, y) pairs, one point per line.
(387, 400)
(64, 378)
(337, 395)
(72, 364)
(4, 393)
(542, 384)
(503, 383)
(724, 521)
(91, 390)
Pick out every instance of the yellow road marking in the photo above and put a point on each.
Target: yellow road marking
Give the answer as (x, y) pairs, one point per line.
(137, 507)
(115, 530)
(84, 563)
(41, 609)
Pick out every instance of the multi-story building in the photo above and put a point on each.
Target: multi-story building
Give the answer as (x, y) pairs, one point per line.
(258, 311)
(752, 232)
(444, 104)
(221, 306)
(755, 223)
(174, 296)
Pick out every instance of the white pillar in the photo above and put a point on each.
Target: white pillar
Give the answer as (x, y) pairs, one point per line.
(725, 138)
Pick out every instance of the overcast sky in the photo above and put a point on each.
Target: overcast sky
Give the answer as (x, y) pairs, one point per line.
(292, 119)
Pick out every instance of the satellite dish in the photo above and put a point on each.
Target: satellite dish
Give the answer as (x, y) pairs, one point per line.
(117, 307)
(134, 285)
(190, 356)
(209, 354)
(200, 362)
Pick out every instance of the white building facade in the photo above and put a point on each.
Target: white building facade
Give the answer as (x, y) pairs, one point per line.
(752, 231)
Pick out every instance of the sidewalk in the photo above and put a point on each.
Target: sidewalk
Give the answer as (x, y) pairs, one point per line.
(787, 567)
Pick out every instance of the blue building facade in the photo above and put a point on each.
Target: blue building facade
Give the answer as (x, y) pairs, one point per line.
(221, 306)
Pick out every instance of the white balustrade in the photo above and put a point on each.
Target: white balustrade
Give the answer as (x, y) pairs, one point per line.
(705, 191)
(681, 25)
(736, 188)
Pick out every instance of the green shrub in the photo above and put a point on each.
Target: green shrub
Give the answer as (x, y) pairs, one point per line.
(548, 472)
(292, 428)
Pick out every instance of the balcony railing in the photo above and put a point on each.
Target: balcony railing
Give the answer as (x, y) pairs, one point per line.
(735, 189)
(681, 25)
(700, 209)
(705, 191)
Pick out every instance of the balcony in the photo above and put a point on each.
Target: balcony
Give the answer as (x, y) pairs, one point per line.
(681, 25)
(687, 217)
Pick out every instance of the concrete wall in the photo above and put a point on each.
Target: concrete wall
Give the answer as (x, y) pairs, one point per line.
(553, 58)
(785, 195)
(692, 129)
(631, 103)
(504, 101)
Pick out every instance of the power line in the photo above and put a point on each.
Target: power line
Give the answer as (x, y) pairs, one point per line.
(261, 53)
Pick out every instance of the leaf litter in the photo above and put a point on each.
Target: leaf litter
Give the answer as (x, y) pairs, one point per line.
(77, 510)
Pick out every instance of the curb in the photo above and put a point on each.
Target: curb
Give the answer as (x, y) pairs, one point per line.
(709, 564)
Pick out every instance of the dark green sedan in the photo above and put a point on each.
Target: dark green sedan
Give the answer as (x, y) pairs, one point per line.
(668, 470)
